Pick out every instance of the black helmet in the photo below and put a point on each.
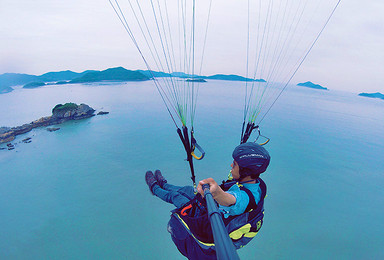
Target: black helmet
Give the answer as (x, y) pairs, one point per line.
(252, 158)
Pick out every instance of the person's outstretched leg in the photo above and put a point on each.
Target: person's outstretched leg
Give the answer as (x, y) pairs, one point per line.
(173, 197)
(187, 191)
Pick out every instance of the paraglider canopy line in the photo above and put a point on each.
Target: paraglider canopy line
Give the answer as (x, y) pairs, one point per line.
(153, 23)
(303, 59)
(123, 21)
(282, 43)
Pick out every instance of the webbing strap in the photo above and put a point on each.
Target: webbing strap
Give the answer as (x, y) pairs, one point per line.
(187, 146)
(252, 202)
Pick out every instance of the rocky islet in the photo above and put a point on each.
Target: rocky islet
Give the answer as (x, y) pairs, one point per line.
(60, 114)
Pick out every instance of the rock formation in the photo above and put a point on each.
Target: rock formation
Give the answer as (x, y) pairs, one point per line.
(102, 113)
(60, 114)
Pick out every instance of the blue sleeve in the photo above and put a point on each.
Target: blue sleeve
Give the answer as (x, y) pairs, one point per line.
(241, 204)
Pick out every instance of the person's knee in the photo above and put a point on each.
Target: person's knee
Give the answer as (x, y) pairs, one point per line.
(179, 199)
(188, 192)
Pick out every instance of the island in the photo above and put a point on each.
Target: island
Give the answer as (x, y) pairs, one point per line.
(60, 114)
(233, 78)
(309, 84)
(113, 74)
(5, 89)
(61, 82)
(196, 80)
(372, 95)
(34, 85)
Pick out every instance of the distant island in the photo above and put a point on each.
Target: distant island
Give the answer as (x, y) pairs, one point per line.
(34, 85)
(309, 84)
(196, 80)
(8, 80)
(60, 114)
(372, 95)
(117, 74)
(232, 78)
(5, 89)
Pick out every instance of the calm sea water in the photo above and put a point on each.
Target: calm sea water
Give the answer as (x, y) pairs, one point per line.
(79, 193)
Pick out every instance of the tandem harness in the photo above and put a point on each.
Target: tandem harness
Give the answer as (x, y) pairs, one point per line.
(191, 230)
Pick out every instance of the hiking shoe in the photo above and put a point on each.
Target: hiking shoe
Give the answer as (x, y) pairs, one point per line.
(150, 180)
(160, 178)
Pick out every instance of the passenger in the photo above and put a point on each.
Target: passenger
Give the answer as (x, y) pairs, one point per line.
(189, 224)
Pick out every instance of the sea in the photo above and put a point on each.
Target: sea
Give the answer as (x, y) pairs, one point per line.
(80, 192)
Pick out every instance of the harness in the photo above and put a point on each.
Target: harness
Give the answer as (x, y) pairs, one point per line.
(241, 228)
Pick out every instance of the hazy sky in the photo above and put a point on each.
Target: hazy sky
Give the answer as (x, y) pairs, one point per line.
(49, 35)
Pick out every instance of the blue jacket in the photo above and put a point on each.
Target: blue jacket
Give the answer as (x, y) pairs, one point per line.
(242, 199)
